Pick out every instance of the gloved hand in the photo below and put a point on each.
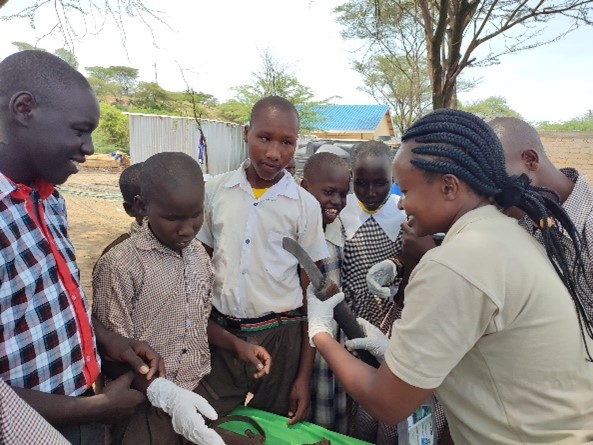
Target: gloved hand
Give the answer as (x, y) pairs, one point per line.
(183, 406)
(320, 314)
(380, 274)
(374, 341)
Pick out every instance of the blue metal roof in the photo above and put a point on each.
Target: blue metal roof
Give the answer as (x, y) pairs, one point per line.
(350, 117)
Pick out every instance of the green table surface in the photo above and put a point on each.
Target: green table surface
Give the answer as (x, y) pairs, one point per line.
(279, 433)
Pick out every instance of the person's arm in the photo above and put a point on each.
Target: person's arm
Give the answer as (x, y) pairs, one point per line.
(136, 355)
(385, 396)
(117, 401)
(257, 355)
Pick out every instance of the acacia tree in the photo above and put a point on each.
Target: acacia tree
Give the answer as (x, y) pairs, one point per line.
(274, 79)
(489, 108)
(393, 63)
(404, 88)
(124, 76)
(454, 29)
(62, 53)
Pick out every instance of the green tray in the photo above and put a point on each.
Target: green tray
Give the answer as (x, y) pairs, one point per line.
(279, 433)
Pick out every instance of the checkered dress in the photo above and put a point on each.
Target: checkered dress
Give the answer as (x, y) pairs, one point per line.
(369, 246)
(46, 341)
(21, 424)
(329, 401)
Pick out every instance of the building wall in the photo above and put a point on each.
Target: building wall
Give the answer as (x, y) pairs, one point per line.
(570, 149)
(384, 129)
(151, 134)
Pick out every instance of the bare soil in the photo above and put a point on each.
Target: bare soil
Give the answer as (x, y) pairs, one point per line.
(95, 216)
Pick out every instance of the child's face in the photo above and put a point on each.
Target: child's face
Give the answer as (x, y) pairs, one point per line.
(271, 142)
(421, 199)
(330, 188)
(372, 181)
(176, 215)
(59, 137)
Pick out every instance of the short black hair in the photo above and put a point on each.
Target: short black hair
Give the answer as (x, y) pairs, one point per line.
(129, 182)
(168, 170)
(273, 102)
(319, 161)
(371, 148)
(42, 74)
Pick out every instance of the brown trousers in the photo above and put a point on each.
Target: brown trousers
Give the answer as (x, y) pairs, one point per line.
(230, 380)
(147, 426)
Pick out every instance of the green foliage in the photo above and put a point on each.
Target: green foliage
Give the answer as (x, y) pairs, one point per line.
(67, 56)
(494, 106)
(124, 76)
(582, 123)
(449, 32)
(273, 78)
(23, 46)
(399, 83)
(64, 54)
(234, 111)
(150, 95)
(104, 89)
(113, 131)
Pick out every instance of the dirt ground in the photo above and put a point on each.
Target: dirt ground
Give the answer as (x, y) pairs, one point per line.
(95, 216)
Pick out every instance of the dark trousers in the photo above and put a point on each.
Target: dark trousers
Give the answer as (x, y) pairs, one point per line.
(84, 433)
(230, 380)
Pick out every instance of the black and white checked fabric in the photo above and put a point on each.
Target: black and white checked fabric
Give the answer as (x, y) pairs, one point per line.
(579, 207)
(40, 340)
(329, 401)
(369, 246)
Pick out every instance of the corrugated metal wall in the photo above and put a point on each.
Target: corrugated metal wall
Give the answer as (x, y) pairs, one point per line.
(151, 134)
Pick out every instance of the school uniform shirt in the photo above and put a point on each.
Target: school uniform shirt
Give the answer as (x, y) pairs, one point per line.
(370, 239)
(491, 326)
(579, 206)
(254, 275)
(146, 291)
(47, 341)
(20, 424)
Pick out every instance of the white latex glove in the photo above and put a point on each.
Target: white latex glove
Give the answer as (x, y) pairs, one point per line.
(380, 274)
(183, 406)
(320, 314)
(374, 341)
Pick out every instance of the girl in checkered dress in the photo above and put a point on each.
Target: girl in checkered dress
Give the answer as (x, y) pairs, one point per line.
(372, 222)
(327, 177)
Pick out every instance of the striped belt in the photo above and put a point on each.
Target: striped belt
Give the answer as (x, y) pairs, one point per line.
(267, 321)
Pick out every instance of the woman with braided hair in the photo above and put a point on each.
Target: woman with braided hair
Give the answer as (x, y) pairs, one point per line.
(492, 322)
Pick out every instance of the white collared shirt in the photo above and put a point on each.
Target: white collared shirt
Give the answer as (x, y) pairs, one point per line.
(254, 275)
(389, 217)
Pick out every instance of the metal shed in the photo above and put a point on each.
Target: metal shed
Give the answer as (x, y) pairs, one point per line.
(151, 134)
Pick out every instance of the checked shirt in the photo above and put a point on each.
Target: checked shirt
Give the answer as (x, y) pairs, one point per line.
(46, 338)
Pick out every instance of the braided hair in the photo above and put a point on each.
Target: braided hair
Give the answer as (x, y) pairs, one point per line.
(459, 143)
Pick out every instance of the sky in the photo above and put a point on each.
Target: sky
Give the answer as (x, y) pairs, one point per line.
(218, 45)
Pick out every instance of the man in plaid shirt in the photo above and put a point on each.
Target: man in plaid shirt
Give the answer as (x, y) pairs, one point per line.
(524, 153)
(49, 345)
